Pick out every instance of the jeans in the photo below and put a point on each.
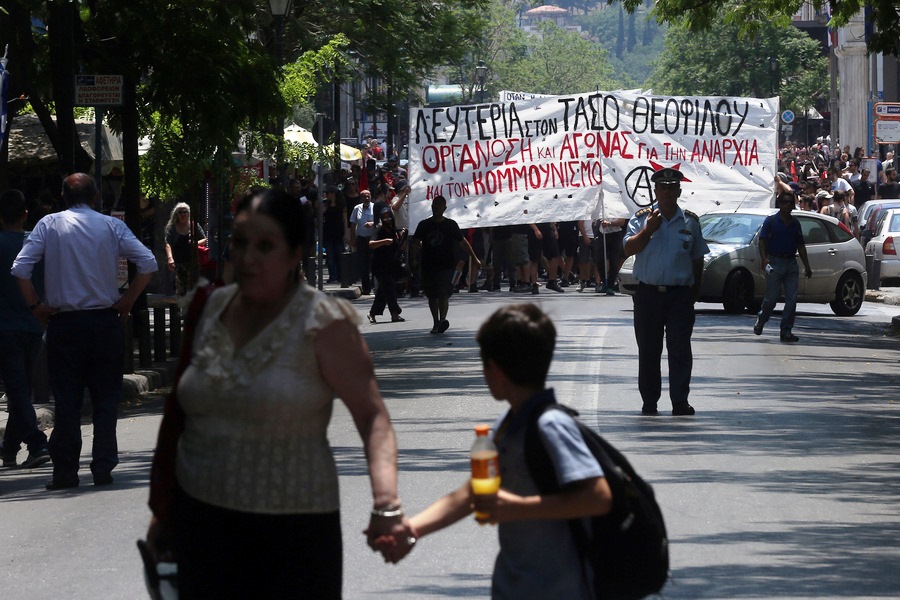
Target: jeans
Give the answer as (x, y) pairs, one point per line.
(85, 349)
(785, 273)
(18, 354)
(333, 251)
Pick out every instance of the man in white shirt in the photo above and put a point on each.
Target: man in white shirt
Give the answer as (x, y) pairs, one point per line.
(82, 308)
(363, 220)
(839, 184)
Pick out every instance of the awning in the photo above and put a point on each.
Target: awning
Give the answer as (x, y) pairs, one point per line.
(299, 135)
(30, 147)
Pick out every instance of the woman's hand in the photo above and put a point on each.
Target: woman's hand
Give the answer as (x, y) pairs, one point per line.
(161, 541)
(392, 536)
(171, 263)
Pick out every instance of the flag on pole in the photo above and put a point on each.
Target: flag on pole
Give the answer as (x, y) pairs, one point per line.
(4, 94)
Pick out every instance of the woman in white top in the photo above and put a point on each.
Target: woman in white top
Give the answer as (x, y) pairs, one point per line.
(255, 506)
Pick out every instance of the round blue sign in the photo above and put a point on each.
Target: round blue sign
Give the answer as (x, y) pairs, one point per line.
(787, 116)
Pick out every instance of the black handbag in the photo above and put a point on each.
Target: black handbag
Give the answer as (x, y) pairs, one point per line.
(400, 265)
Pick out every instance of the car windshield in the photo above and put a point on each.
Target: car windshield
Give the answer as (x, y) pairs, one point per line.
(733, 228)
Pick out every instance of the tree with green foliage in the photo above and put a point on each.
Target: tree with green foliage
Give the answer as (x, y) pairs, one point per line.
(556, 62)
(634, 67)
(199, 73)
(750, 16)
(721, 63)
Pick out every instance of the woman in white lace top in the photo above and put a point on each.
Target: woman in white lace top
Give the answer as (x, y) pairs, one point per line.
(255, 508)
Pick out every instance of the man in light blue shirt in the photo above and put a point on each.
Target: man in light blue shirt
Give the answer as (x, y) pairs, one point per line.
(363, 220)
(82, 308)
(668, 247)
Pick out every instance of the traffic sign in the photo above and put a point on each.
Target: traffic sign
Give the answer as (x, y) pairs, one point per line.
(887, 131)
(887, 110)
(787, 117)
(98, 90)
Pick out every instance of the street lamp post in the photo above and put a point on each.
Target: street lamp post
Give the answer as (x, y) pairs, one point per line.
(480, 76)
(279, 10)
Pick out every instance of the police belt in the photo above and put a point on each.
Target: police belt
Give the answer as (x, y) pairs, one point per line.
(662, 288)
(788, 256)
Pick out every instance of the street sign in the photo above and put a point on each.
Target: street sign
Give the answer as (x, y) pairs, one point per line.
(887, 110)
(98, 90)
(787, 117)
(887, 131)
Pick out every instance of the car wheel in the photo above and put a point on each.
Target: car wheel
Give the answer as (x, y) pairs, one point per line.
(738, 293)
(849, 295)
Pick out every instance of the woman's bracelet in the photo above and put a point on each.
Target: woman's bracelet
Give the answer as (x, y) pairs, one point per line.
(388, 511)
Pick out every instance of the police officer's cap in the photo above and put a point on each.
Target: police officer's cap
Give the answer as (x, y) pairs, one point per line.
(667, 176)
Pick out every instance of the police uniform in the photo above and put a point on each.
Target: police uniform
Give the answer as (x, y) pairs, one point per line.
(663, 301)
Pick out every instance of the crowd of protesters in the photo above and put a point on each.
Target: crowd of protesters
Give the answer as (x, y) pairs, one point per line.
(549, 257)
(822, 175)
(523, 259)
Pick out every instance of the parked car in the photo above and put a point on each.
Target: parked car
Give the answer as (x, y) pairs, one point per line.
(883, 245)
(868, 217)
(732, 273)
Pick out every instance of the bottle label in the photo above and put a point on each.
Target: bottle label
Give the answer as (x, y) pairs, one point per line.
(485, 465)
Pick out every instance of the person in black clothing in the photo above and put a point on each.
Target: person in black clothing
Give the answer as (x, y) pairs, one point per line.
(863, 189)
(890, 189)
(179, 246)
(385, 246)
(437, 237)
(334, 227)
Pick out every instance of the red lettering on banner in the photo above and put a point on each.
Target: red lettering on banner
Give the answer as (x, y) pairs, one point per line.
(544, 176)
(727, 152)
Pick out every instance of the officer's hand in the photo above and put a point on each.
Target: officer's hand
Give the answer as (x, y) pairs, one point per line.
(654, 220)
(808, 273)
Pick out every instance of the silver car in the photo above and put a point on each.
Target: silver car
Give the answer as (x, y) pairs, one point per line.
(732, 273)
(883, 247)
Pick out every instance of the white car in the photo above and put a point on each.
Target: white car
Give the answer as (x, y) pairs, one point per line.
(883, 246)
(732, 273)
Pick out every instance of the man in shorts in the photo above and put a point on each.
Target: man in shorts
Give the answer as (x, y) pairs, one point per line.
(434, 241)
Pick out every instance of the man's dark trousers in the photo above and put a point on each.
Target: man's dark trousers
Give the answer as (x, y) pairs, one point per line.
(364, 258)
(657, 314)
(18, 354)
(85, 349)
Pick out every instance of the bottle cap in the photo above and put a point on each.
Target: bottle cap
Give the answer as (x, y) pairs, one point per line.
(482, 429)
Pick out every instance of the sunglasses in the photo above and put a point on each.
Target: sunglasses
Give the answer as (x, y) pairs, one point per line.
(182, 212)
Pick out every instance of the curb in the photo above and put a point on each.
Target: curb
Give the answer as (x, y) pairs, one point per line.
(883, 297)
(134, 385)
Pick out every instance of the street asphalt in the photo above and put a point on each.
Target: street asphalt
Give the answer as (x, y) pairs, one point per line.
(783, 486)
(143, 381)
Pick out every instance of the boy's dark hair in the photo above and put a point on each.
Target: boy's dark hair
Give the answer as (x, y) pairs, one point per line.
(12, 206)
(520, 339)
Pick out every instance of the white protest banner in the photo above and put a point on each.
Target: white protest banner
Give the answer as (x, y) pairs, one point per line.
(546, 158)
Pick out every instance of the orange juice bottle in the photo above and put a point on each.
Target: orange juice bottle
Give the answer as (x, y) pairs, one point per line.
(485, 465)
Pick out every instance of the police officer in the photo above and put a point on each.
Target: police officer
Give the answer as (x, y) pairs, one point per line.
(668, 249)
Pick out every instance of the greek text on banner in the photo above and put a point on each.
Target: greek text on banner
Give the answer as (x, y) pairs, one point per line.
(541, 159)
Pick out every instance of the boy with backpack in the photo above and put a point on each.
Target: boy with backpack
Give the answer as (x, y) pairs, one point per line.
(540, 556)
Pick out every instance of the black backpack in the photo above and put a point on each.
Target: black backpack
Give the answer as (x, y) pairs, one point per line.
(628, 549)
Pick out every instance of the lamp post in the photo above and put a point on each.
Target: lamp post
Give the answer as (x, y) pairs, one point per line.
(480, 76)
(279, 10)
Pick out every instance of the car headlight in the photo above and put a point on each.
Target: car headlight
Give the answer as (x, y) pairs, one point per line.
(713, 255)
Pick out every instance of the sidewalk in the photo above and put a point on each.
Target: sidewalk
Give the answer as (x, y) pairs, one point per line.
(144, 381)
